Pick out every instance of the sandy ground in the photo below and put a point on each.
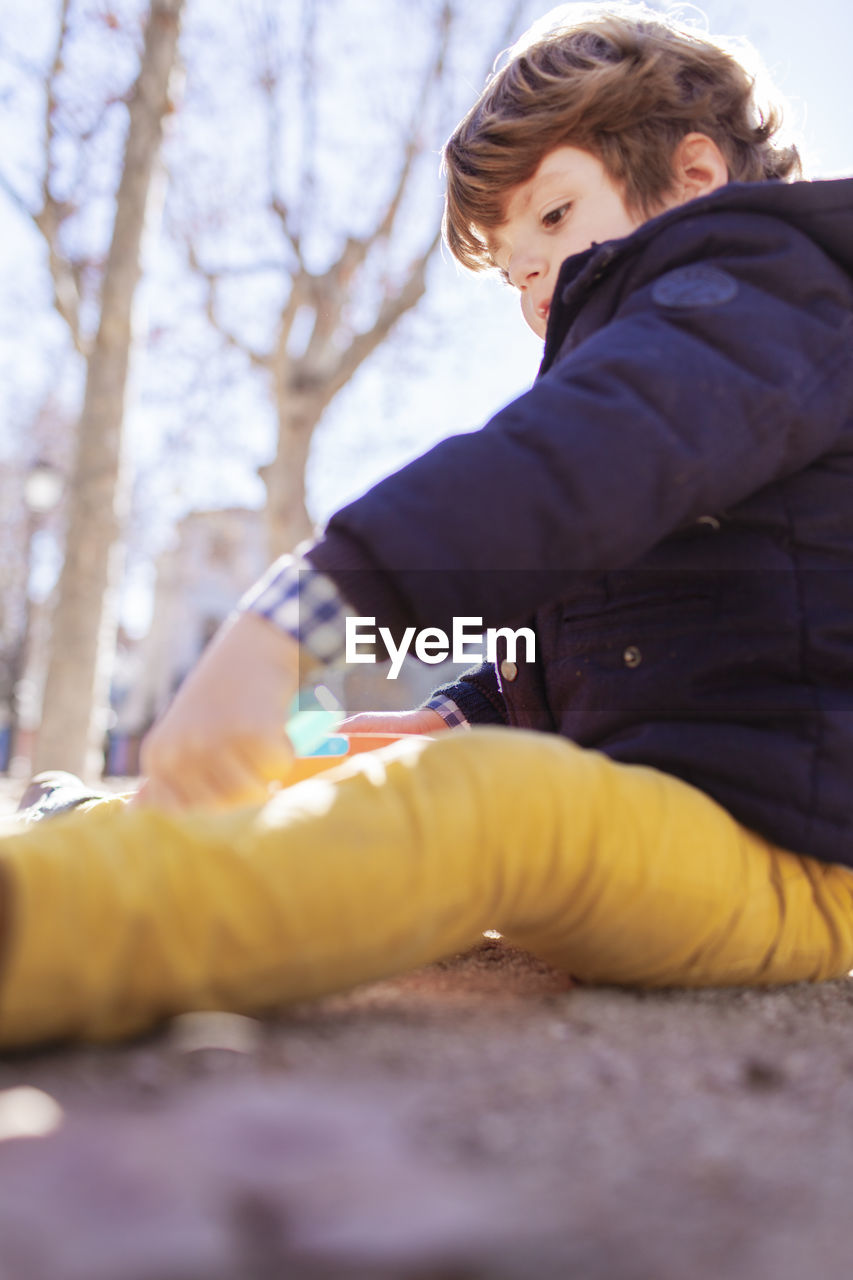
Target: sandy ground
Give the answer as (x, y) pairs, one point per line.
(481, 1118)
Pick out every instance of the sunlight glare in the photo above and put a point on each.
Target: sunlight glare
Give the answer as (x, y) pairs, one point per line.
(26, 1112)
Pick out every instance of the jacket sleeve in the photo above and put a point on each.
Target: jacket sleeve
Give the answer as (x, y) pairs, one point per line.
(477, 695)
(666, 412)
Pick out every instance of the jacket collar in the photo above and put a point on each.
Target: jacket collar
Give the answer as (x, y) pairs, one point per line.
(823, 210)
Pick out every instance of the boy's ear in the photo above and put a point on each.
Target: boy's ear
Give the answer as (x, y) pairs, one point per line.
(698, 167)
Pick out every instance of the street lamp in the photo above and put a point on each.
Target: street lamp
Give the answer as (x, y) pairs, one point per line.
(42, 490)
(43, 485)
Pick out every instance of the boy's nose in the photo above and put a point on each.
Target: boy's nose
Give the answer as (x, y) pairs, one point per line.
(526, 268)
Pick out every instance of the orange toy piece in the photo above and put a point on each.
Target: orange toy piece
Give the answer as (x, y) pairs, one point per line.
(307, 766)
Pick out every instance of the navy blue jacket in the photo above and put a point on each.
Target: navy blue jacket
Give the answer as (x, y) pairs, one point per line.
(670, 505)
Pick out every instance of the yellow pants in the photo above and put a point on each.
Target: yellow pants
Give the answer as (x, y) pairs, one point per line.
(616, 873)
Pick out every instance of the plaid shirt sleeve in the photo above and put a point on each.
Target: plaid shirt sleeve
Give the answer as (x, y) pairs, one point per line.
(305, 603)
(449, 712)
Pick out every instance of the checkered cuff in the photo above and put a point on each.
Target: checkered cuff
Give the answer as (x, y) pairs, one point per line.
(449, 712)
(299, 599)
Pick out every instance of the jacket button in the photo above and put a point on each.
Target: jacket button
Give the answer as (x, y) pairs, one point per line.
(509, 670)
(632, 656)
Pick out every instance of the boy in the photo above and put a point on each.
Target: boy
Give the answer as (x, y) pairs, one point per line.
(670, 509)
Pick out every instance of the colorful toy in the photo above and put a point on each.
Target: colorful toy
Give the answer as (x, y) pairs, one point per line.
(314, 716)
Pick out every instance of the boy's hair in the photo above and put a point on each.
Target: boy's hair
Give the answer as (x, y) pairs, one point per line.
(623, 83)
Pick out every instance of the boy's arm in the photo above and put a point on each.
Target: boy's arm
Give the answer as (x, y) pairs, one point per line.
(222, 740)
(475, 698)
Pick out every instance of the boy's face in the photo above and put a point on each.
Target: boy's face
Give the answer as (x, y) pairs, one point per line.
(569, 203)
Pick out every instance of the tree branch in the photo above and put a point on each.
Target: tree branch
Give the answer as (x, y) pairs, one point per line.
(283, 214)
(391, 310)
(16, 198)
(86, 135)
(49, 220)
(308, 65)
(258, 358)
(331, 290)
(510, 27)
(50, 100)
(415, 138)
(270, 80)
(356, 249)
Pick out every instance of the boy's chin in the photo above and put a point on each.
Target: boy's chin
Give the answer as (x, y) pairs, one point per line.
(537, 324)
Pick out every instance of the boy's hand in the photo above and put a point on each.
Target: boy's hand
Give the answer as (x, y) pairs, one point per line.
(421, 720)
(222, 740)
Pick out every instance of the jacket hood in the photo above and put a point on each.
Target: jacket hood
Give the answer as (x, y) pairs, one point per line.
(821, 210)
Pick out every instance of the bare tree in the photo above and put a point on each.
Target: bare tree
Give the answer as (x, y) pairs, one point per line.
(341, 302)
(95, 300)
(341, 282)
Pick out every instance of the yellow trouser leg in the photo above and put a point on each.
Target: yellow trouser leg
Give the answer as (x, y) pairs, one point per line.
(617, 873)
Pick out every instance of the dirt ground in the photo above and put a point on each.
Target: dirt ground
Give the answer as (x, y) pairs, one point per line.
(481, 1119)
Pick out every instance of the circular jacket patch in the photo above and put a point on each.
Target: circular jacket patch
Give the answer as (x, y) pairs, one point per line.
(697, 286)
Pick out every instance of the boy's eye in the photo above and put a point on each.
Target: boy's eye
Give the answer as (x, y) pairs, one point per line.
(555, 216)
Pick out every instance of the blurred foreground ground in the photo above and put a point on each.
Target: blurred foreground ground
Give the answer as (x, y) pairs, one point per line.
(480, 1119)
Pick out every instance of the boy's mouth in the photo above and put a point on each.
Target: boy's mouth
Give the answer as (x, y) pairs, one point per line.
(543, 310)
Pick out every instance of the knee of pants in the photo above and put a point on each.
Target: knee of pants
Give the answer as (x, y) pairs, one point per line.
(524, 808)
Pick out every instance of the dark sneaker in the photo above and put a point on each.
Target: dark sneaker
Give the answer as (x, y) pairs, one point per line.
(53, 793)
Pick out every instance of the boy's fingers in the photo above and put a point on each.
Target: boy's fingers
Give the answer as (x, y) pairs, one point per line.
(419, 720)
(262, 755)
(237, 775)
(266, 760)
(201, 792)
(364, 722)
(154, 794)
(239, 783)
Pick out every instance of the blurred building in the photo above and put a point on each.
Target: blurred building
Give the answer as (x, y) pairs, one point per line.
(215, 557)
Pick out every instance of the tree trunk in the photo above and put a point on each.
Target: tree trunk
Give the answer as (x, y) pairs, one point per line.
(287, 518)
(85, 621)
